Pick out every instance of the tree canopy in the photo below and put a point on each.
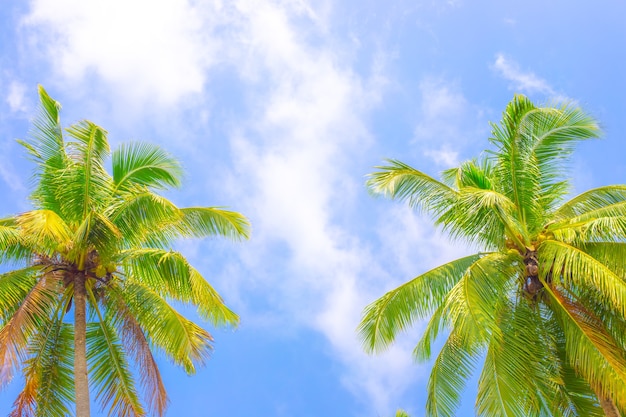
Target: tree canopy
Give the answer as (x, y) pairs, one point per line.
(100, 244)
(542, 306)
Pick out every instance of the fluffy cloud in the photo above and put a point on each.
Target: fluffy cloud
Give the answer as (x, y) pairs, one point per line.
(148, 51)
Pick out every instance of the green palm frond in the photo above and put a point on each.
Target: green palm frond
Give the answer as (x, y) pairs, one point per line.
(140, 215)
(210, 304)
(402, 182)
(590, 347)
(473, 304)
(519, 373)
(46, 144)
(165, 272)
(454, 365)
(423, 349)
(399, 308)
(110, 372)
(14, 287)
(572, 266)
(591, 200)
(144, 164)
(601, 224)
(482, 216)
(473, 173)
(574, 395)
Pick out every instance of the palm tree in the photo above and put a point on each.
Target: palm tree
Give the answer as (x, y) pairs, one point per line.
(542, 305)
(100, 243)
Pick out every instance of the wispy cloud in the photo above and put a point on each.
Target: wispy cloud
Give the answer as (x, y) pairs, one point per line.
(16, 97)
(297, 153)
(520, 80)
(447, 122)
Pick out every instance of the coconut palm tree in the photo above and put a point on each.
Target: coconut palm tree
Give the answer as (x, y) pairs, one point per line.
(542, 305)
(99, 245)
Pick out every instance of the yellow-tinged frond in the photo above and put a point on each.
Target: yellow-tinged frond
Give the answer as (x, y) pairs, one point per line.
(590, 348)
(607, 223)
(186, 343)
(210, 304)
(27, 319)
(44, 226)
(135, 342)
(573, 266)
(213, 221)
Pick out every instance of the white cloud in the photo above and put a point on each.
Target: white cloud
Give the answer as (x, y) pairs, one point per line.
(15, 97)
(522, 81)
(446, 122)
(146, 50)
(298, 151)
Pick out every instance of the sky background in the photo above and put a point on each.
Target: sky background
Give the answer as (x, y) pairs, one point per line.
(278, 109)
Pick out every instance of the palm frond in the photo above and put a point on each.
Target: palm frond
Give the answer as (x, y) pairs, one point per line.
(165, 272)
(399, 308)
(423, 349)
(402, 182)
(210, 304)
(606, 223)
(213, 221)
(483, 216)
(591, 350)
(84, 185)
(146, 165)
(44, 226)
(49, 388)
(140, 215)
(474, 303)
(110, 372)
(591, 200)
(519, 377)
(186, 343)
(454, 365)
(135, 342)
(572, 266)
(14, 287)
(26, 319)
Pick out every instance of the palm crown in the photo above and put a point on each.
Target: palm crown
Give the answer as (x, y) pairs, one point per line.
(101, 243)
(544, 302)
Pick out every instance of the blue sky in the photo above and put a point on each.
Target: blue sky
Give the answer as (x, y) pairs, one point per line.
(278, 109)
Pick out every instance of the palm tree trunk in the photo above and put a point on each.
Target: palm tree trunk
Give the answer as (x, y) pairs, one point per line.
(610, 410)
(80, 347)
